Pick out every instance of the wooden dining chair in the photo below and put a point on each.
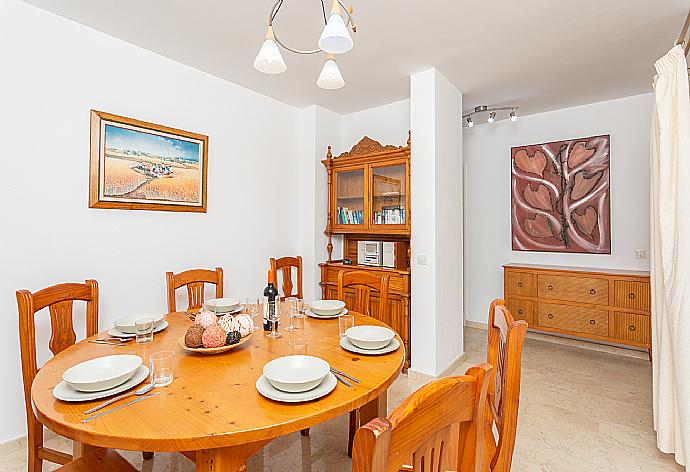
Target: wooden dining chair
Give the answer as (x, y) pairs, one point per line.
(285, 264)
(363, 283)
(194, 280)
(506, 338)
(59, 300)
(436, 429)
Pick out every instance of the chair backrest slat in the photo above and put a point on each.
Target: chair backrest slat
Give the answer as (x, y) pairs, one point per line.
(285, 265)
(506, 338)
(194, 280)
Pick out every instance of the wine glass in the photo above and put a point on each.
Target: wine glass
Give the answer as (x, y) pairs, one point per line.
(251, 308)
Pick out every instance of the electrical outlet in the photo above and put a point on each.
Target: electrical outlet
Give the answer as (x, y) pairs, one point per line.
(640, 254)
(422, 259)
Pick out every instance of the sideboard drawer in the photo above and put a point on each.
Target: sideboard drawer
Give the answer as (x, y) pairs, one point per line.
(575, 289)
(521, 309)
(631, 294)
(631, 327)
(572, 318)
(519, 283)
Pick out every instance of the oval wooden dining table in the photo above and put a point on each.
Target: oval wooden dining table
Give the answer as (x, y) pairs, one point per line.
(212, 411)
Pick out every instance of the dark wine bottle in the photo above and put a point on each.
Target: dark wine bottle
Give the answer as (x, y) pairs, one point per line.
(271, 293)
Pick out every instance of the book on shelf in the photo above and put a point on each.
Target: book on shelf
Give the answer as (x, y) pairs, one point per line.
(350, 217)
(390, 216)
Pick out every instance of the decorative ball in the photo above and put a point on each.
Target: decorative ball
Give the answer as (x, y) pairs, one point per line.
(233, 337)
(228, 323)
(214, 336)
(193, 336)
(205, 319)
(245, 324)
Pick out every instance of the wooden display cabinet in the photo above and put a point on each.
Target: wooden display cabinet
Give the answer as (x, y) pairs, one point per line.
(369, 199)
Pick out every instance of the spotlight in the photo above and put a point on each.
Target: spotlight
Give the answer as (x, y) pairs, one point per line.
(492, 117)
(513, 115)
(470, 123)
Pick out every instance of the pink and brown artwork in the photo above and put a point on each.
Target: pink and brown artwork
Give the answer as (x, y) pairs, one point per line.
(561, 196)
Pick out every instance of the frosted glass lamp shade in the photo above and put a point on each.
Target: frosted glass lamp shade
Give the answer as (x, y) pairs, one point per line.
(330, 77)
(269, 60)
(335, 37)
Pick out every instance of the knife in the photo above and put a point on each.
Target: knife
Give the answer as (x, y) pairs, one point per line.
(120, 407)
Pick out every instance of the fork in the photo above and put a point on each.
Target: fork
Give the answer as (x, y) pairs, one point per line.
(103, 341)
(132, 402)
(335, 371)
(142, 391)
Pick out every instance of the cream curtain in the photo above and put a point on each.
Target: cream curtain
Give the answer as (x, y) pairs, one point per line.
(670, 251)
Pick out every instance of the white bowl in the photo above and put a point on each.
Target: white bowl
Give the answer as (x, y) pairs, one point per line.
(127, 324)
(370, 337)
(221, 305)
(295, 374)
(101, 373)
(327, 307)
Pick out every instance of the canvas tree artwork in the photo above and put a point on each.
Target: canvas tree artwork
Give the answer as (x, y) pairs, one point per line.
(561, 196)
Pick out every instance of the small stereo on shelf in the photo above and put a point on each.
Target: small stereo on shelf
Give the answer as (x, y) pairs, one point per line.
(377, 253)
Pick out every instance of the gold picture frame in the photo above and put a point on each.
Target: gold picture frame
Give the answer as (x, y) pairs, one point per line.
(136, 165)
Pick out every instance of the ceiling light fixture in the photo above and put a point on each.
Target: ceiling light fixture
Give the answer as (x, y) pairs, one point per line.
(335, 39)
(492, 113)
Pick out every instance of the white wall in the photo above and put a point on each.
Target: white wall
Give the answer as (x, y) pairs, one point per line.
(487, 196)
(437, 328)
(387, 124)
(54, 72)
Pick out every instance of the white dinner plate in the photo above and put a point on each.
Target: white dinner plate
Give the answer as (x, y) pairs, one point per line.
(312, 314)
(127, 324)
(115, 332)
(64, 392)
(269, 391)
(348, 346)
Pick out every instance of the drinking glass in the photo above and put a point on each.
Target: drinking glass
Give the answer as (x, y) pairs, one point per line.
(272, 314)
(299, 346)
(293, 313)
(345, 322)
(144, 330)
(251, 307)
(162, 368)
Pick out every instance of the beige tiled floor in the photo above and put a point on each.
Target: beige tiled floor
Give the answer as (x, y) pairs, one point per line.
(581, 410)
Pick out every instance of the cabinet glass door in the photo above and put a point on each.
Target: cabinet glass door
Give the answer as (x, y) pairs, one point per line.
(349, 206)
(389, 195)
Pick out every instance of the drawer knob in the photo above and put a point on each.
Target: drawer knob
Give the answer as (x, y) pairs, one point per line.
(550, 287)
(592, 322)
(632, 328)
(631, 296)
(592, 292)
(520, 311)
(550, 316)
(519, 284)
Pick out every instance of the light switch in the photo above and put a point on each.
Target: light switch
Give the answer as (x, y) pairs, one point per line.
(422, 259)
(640, 254)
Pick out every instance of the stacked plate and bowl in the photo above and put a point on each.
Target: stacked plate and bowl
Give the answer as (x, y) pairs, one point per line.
(101, 377)
(223, 306)
(295, 379)
(369, 340)
(125, 327)
(326, 309)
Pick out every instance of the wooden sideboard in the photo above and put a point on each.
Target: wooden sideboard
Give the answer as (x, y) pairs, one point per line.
(595, 304)
(398, 316)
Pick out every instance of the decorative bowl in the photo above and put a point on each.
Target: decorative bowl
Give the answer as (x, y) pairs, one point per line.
(212, 350)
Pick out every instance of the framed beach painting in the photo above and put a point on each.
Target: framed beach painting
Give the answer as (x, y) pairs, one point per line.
(137, 165)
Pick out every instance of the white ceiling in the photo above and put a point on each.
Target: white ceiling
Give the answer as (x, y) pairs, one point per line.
(539, 54)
